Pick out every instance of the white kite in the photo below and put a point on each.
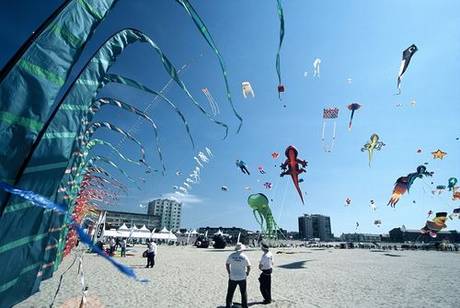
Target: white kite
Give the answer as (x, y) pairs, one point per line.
(247, 89)
(316, 68)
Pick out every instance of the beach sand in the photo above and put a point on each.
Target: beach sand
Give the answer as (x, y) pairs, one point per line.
(309, 277)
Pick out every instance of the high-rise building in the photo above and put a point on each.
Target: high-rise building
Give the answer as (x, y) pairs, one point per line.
(116, 219)
(315, 226)
(169, 212)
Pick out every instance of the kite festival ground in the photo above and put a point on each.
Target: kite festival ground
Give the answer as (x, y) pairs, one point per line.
(303, 277)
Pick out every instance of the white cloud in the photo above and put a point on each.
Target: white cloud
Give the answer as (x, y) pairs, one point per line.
(184, 198)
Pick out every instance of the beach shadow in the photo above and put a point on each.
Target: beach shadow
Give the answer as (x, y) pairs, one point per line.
(279, 252)
(377, 250)
(295, 265)
(238, 305)
(391, 255)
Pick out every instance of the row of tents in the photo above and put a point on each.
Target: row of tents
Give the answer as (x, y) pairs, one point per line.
(145, 233)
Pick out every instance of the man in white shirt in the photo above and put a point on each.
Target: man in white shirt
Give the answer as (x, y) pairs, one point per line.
(123, 247)
(265, 279)
(238, 268)
(151, 252)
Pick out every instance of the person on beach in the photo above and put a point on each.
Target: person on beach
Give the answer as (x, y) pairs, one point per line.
(123, 247)
(265, 279)
(238, 268)
(112, 246)
(151, 252)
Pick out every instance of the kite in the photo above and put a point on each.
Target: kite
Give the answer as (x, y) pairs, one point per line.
(349, 80)
(259, 204)
(268, 185)
(455, 194)
(357, 226)
(248, 188)
(430, 212)
(212, 103)
(371, 145)
(438, 154)
(419, 150)
(436, 225)
(275, 155)
(377, 222)
(242, 165)
(278, 60)
(329, 114)
(404, 184)
(455, 213)
(247, 89)
(413, 103)
(294, 167)
(439, 189)
(451, 182)
(347, 202)
(316, 68)
(352, 107)
(224, 188)
(261, 169)
(406, 57)
(372, 205)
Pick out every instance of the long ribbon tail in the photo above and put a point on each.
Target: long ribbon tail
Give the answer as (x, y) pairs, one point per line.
(45, 203)
(199, 23)
(278, 60)
(351, 119)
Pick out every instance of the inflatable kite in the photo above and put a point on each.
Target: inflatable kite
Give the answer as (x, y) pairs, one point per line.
(404, 184)
(406, 57)
(377, 222)
(455, 194)
(352, 107)
(275, 155)
(451, 182)
(329, 114)
(436, 225)
(371, 145)
(438, 154)
(247, 89)
(347, 202)
(212, 103)
(259, 205)
(242, 165)
(293, 166)
(278, 60)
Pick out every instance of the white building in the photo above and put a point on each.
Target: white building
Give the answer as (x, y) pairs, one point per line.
(169, 211)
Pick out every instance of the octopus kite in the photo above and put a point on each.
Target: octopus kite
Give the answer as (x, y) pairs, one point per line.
(294, 167)
(371, 145)
(259, 204)
(404, 183)
(436, 225)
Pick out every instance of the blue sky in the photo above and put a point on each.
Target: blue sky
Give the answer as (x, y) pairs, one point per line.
(361, 40)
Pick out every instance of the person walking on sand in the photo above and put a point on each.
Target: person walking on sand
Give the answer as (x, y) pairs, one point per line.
(151, 252)
(238, 268)
(265, 279)
(123, 247)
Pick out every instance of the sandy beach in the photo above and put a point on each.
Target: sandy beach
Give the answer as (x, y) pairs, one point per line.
(303, 277)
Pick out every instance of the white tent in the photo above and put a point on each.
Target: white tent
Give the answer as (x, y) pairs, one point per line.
(111, 233)
(123, 231)
(164, 230)
(194, 232)
(168, 236)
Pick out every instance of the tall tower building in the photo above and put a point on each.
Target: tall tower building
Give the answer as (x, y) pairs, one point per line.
(315, 226)
(169, 212)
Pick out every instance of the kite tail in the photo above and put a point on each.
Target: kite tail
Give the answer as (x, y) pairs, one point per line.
(399, 86)
(370, 157)
(351, 119)
(199, 23)
(297, 187)
(278, 60)
(394, 200)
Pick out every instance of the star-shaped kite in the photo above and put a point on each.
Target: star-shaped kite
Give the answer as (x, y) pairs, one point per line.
(438, 154)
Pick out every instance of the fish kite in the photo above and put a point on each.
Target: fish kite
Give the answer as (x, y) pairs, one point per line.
(404, 184)
(438, 154)
(371, 145)
(352, 107)
(406, 57)
(436, 225)
(294, 166)
(329, 114)
(242, 165)
(316, 68)
(247, 89)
